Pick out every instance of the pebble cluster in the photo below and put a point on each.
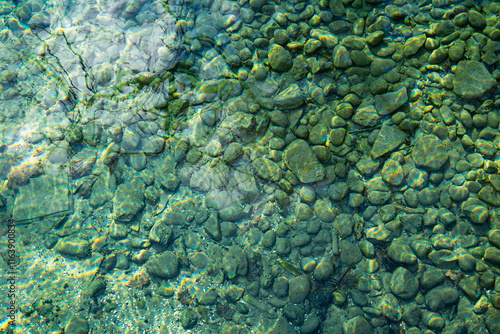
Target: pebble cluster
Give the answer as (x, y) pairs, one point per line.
(262, 166)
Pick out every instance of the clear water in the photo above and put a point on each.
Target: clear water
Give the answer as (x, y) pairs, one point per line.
(249, 167)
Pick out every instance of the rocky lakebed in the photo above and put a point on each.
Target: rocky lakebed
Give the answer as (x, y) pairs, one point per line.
(262, 166)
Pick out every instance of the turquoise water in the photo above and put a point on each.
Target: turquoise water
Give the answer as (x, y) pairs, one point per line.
(249, 167)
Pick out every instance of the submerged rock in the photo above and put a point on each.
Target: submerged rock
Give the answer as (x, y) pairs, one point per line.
(73, 247)
(129, 200)
(302, 161)
(429, 152)
(290, 98)
(389, 138)
(235, 262)
(78, 325)
(390, 102)
(299, 289)
(472, 80)
(404, 284)
(440, 297)
(389, 306)
(279, 58)
(160, 233)
(165, 265)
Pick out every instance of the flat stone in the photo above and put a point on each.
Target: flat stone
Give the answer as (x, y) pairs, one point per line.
(447, 114)
(323, 210)
(354, 42)
(279, 58)
(444, 259)
(326, 38)
(229, 88)
(477, 19)
(434, 321)
(358, 324)
(489, 195)
(290, 98)
(257, 3)
(337, 136)
(472, 80)
(395, 12)
(471, 287)
(215, 68)
(302, 161)
(458, 193)
(73, 247)
(128, 200)
(429, 152)
(381, 66)
(494, 237)
(77, 325)
(117, 231)
(95, 288)
(299, 289)
(404, 284)
(456, 51)
(443, 28)
(441, 297)
(390, 102)
(245, 185)
(413, 44)
(231, 213)
(209, 177)
(130, 141)
(341, 57)
(495, 181)
(165, 265)
(212, 227)
(235, 262)
(366, 116)
(318, 133)
(241, 124)
(349, 253)
(209, 297)
(233, 151)
(428, 196)
(377, 191)
(337, 7)
(267, 169)
(282, 326)
(324, 269)
(411, 222)
(389, 306)
(42, 196)
(343, 224)
(392, 172)
(431, 278)
(138, 161)
(401, 252)
(160, 233)
(206, 91)
(437, 56)
(375, 38)
(389, 138)
(153, 145)
(492, 319)
(367, 166)
(300, 68)
(39, 21)
(379, 234)
(492, 255)
(304, 212)
(476, 211)
(189, 318)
